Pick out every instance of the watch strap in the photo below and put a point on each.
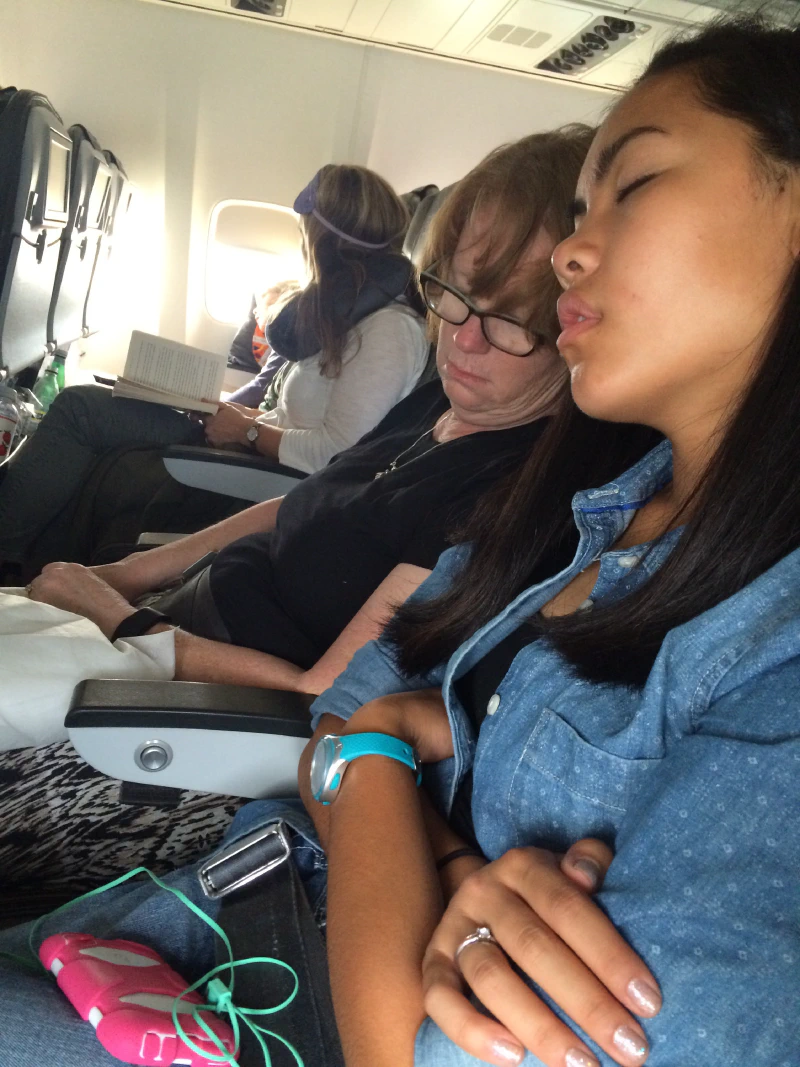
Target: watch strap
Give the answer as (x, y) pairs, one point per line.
(139, 623)
(375, 744)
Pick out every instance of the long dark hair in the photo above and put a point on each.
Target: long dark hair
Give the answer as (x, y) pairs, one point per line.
(362, 204)
(745, 513)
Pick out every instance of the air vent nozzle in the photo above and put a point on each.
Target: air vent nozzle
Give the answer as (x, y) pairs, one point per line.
(275, 8)
(595, 43)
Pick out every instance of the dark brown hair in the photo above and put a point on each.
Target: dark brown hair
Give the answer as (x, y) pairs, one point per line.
(745, 513)
(360, 203)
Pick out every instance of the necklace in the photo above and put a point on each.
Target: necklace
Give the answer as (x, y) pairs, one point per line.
(396, 461)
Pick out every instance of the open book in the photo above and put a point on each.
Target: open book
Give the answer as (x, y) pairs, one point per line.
(176, 375)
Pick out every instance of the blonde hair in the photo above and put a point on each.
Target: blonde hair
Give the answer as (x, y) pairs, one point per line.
(360, 203)
(522, 187)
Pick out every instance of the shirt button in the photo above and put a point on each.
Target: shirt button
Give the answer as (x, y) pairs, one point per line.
(493, 704)
(628, 561)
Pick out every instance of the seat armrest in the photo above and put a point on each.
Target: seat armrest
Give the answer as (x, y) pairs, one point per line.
(235, 740)
(237, 474)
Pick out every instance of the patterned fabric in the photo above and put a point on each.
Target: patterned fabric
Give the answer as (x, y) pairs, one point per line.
(64, 831)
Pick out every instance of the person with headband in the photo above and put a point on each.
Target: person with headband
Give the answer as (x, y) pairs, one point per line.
(353, 347)
(353, 344)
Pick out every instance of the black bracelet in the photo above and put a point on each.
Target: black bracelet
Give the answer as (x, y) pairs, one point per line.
(456, 854)
(139, 623)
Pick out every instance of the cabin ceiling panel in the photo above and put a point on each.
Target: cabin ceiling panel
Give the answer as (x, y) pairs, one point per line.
(603, 44)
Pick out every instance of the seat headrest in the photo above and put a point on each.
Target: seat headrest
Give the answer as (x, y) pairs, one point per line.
(421, 220)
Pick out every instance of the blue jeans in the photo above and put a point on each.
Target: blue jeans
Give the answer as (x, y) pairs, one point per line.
(39, 1026)
(84, 422)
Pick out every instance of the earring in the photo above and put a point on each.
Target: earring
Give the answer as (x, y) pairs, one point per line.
(573, 265)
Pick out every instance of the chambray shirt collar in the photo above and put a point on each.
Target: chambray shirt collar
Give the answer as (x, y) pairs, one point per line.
(601, 516)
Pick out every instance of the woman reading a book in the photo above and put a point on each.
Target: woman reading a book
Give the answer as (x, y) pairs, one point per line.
(353, 344)
(300, 583)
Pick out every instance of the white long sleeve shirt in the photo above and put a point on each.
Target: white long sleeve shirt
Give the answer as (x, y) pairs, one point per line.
(321, 416)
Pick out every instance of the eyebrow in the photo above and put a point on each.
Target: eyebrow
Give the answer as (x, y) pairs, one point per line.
(607, 157)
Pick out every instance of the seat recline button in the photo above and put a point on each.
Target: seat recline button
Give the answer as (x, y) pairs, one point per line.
(153, 755)
(493, 704)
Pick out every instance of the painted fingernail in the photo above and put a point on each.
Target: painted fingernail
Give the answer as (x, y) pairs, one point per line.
(590, 869)
(506, 1052)
(578, 1057)
(645, 996)
(631, 1042)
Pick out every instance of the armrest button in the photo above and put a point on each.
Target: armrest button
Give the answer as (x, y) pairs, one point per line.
(153, 755)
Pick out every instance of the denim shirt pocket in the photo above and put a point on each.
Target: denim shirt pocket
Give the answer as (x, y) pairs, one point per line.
(584, 789)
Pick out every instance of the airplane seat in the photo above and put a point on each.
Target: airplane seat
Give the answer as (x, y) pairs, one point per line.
(429, 204)
(90, 189)
(96, 304)
(413, 199)
(251, 478)
(35, 158)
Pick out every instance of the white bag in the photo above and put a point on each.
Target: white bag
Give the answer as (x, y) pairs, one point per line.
(45, 652)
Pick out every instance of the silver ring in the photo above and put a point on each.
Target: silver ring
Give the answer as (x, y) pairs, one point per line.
(482, 934)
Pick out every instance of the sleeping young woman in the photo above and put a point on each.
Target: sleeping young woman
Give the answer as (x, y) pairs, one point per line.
(642, 701)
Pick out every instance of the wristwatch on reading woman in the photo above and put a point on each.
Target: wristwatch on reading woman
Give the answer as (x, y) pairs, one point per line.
(333, 754)
(252, 437)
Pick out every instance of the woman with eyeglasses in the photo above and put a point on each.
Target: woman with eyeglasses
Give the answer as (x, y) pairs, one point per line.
(300, 583)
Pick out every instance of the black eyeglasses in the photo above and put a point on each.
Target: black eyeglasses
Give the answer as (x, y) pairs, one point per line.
(501, 331)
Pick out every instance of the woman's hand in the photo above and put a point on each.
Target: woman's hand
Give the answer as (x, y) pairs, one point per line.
(253, 413)
(418, 718)
(77, 589)
(228, 426)
(537, 906)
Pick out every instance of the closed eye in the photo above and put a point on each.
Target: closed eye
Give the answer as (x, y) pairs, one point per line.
(633, 187)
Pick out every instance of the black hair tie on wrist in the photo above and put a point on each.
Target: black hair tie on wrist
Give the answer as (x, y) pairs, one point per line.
(456, 854)
(139, 623)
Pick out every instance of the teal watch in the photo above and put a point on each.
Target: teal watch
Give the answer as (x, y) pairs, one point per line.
(333, 753)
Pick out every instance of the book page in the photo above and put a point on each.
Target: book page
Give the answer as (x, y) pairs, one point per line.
(174, 368)
(137, 391)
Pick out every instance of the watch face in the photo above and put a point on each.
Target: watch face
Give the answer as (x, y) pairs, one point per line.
(321, 761)
(252, 434)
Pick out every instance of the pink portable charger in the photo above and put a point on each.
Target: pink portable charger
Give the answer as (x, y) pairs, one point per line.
(126, 991)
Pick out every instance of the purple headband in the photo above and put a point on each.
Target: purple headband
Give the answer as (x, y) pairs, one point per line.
(305, 204)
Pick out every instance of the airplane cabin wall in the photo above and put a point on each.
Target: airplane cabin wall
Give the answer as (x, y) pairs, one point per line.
(201, 108)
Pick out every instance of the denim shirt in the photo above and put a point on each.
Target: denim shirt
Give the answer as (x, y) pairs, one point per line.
(692, 780)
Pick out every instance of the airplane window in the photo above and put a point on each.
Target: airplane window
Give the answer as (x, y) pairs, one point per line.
(250, 247)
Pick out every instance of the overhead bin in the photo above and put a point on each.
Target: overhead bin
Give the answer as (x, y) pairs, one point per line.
(575, 40)
(419, 23)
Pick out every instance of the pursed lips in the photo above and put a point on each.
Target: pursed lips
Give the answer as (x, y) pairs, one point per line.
(575, 316)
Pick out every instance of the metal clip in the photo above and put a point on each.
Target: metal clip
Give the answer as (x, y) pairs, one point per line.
(244, 861)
